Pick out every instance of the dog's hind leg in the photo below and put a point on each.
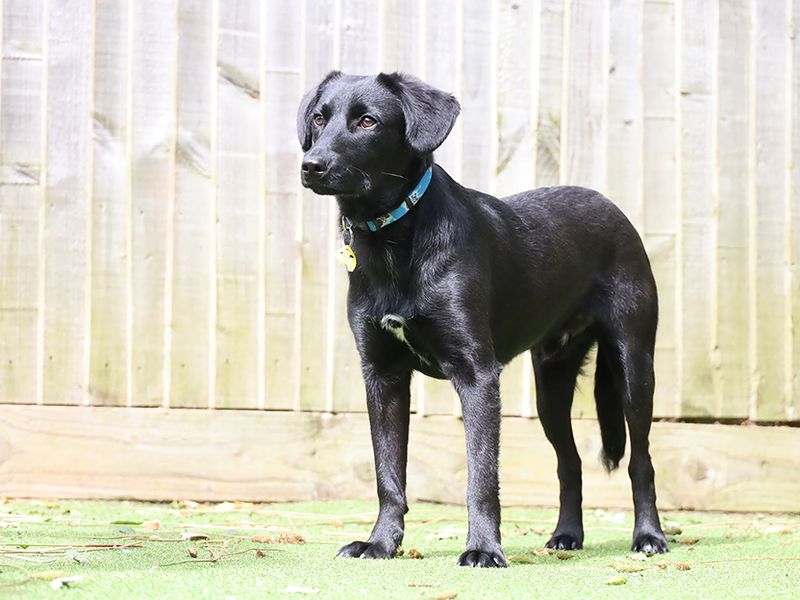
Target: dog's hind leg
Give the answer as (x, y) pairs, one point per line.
(555, 388)
(627, 345)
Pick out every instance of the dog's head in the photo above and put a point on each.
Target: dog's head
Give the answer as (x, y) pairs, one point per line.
(358, 131)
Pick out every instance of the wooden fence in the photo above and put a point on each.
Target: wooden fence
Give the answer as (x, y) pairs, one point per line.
(157, 250)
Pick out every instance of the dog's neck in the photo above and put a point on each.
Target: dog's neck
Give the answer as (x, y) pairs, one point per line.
(391, 192)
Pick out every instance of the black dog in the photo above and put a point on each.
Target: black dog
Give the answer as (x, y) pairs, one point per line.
(454, 283)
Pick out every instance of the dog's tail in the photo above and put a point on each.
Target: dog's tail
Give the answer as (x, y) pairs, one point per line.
(609, 411)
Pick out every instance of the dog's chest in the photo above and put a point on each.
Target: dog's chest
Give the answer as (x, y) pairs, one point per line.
(407, 334)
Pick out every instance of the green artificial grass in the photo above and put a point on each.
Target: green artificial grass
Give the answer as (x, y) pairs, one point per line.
(242, 551)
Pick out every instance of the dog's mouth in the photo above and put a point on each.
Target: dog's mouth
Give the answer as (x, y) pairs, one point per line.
(335, 184)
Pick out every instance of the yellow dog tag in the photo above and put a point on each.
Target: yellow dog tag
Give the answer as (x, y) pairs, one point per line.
(347, 257)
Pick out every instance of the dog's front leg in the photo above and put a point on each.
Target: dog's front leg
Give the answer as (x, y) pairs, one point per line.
(388, 407)
(479, 391)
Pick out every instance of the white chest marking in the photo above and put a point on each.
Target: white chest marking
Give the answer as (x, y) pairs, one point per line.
(396, 325)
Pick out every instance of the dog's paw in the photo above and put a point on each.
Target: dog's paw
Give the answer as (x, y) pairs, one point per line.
(482, 558)
(650, 543)
(564, 541)
(365, 550)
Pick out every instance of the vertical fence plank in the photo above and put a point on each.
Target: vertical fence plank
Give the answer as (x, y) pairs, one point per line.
(193, 234)
(794, 186)
(319, 232)
(153, 64)
(550, 92)
(239, 198)
(478, 97)
(583, 153)
(20, 196)
(733, 344)
(400, 36)
(624, 156)
(442, 68)
(515, 157)
(282, 85)
(69, 55)
(359, 55)
(697, 207)
(660, 176)
(770, 201)
(108, 367)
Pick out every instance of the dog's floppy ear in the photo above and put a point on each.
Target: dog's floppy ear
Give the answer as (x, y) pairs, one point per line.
(306, 106)
(429, 113)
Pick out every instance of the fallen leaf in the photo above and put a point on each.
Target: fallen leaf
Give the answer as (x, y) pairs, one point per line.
(151, 525)
(564, 555)
(672, 530)
(688, 541)
(682, 566)
(626, 568)
(192, 552)
(617, 580)
(543, 552)
(641, 556)
(260, 554)
(288, 537)
(48, 575)
(399, 551)
(193, 536)
(65, 582)
(261, 539)
(414, 553)
(294, 589)
(521, 559)
(444, 595)
(662, 565)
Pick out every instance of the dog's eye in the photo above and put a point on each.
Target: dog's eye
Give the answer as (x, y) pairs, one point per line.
(318, 120)
(367, 122)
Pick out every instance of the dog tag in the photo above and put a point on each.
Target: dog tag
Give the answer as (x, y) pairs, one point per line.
(347, 257)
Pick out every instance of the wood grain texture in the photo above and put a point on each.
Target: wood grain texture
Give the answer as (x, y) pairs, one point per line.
(21, 75)
(66, 211)
(625, 137)
(549, 125)
(733, 211)
(697, 227)
(771, 315)
(320, 235)
(157, 454)
(191, 344)
(582, 148)
(660, 184)
(108, 356)
(794, 189)
(401, 34)
(282, 89)
(239, 205)
(153, 66)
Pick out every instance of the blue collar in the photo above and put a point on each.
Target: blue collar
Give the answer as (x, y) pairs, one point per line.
(401, 211)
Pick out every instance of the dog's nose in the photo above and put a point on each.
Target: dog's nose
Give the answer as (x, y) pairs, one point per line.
(315, 166)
